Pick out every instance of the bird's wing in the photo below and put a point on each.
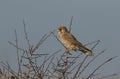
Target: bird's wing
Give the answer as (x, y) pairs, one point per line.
(70, 38)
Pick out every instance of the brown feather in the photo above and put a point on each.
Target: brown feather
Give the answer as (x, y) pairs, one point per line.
(70, 42)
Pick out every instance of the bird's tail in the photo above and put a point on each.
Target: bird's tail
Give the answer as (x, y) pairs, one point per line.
(86, 51)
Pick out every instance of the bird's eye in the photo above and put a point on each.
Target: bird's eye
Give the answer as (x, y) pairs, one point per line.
(60, 29)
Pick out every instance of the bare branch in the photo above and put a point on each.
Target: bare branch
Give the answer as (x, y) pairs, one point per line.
(79, 67)
(101, 66)
(16, 46)
(70, 24)
(109, 76)
(92, 42)
(91, 61)
(40, 42)
(26, 36)
(18, 58)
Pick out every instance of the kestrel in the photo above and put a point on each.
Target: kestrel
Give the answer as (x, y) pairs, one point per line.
(70, 42)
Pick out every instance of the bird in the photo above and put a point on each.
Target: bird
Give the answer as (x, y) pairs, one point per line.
(70, 42)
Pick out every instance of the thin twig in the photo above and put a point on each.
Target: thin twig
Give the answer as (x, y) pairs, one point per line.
(10, 70)
(109, 76)
(95, 44)
(70, 23)
(52, 57)
(40, 42)
(101, 66)
(92, 42)
(18, 58)
(26, 36)
(45, 61)
(16, 46)
(79, 67)
(91, 62)
(30, 52)
(72, 63)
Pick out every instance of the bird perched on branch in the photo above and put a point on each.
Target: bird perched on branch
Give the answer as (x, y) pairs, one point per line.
(70, 42)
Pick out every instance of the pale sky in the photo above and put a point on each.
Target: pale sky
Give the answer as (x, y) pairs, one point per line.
(93, 20)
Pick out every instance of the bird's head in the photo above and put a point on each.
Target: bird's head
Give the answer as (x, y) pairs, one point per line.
(61, 29)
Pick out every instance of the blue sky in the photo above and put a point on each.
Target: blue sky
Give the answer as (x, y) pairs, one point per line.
(93, 20)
